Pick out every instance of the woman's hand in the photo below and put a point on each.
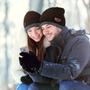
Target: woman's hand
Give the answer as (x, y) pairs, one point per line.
(29, 61)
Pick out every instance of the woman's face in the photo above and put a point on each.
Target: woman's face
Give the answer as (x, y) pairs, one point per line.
(35, 33)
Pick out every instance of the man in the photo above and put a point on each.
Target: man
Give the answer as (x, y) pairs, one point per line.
(71, 67)
(74, 63)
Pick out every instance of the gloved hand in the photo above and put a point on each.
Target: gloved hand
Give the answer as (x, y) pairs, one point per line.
(26, 79)
(29, 61)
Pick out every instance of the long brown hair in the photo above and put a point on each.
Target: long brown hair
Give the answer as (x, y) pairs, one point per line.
(36, 47)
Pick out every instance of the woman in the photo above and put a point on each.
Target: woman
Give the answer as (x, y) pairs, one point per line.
(34, 41)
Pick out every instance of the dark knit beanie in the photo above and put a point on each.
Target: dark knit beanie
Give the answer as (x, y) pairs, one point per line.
(54, 15)
(31, 18)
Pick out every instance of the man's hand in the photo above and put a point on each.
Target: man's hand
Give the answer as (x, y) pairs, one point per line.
(29, 61)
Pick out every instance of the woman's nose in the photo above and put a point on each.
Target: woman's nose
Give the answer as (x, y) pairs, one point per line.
(34, 33)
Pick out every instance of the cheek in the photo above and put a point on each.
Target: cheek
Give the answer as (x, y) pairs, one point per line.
(30, 36)
(41, 34)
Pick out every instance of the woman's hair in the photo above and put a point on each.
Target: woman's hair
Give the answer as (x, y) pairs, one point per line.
(32, 18)
(36, 47)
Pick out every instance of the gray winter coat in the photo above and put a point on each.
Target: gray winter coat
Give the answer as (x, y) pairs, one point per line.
(74, 62)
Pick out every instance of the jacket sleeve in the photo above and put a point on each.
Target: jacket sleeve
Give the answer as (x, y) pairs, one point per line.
(74, 64)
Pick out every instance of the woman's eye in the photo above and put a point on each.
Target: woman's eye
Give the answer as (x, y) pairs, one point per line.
(29, 30)
(38, 28)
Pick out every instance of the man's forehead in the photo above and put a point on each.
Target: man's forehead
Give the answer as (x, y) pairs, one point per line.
(44, 25)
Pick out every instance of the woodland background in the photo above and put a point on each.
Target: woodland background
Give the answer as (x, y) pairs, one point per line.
(12, 35)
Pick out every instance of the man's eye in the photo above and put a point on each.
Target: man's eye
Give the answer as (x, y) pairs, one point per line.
(48, 26)
(42, 28)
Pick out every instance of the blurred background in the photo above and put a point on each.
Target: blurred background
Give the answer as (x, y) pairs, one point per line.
(12, 35)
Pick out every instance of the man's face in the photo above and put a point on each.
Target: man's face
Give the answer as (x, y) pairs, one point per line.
(50, 31)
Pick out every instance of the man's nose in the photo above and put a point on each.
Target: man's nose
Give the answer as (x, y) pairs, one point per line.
(45, 31)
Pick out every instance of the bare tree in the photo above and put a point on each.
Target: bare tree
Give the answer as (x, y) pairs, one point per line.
(78, 13)
(52, 3)
(6, 45)
(87, 6)
(36, 5)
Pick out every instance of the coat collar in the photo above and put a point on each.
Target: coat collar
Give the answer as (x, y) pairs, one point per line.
(62, 38)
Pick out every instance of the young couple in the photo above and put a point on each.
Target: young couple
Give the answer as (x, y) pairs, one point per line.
(64, 63)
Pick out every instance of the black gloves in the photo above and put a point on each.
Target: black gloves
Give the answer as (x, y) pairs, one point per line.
(29, 61)
(26, 79)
